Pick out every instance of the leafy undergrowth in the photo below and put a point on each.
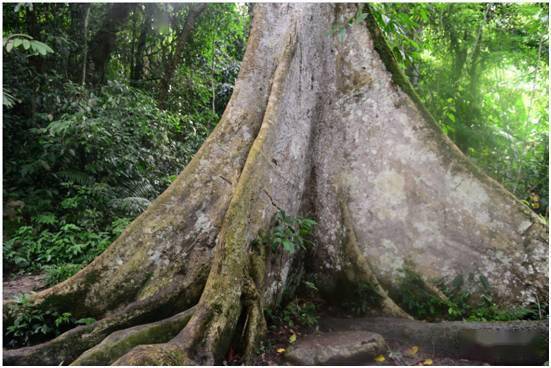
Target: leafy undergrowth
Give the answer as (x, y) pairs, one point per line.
(96, 163)
(289, 325)
(289, 233)
(58, 248)
(299, 315)
(286, 326)
(469, 298)
(33, 325)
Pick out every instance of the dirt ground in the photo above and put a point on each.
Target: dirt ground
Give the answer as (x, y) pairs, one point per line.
(278, 339)
(22, 284)
(396, 355)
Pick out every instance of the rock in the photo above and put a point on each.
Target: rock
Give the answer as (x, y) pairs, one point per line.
(333, 348)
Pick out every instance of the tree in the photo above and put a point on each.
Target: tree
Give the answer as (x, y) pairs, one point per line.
(103, 42)
(136, 70)
(321, 122)
(86, 11)
(472, 110)
(193, 13)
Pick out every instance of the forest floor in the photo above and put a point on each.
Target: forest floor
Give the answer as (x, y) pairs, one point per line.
(14, 285)
(280, 338)
(398, 352)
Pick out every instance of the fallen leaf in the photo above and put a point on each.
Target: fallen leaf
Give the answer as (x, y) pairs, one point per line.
(292, 338)
(413, 350)
(380, 358)
(280, 350)
(427, 362)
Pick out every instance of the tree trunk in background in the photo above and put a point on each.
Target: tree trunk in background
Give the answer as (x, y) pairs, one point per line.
(103, 42)
(136, 74)
(474, 68)
(315, 126)
(86, 9)
(194, 12)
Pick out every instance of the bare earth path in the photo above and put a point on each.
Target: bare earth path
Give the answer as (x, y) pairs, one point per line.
(15, 285)
(396, 341)
(501, 343)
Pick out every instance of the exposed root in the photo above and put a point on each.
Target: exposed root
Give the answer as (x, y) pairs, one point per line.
(255, 325)
(158, 354)
(435, 290)
(361, 270)
(228, 291)
(255, 330)
(67, 347)
(60, 350)
(184, 349)
(207, 335)
(120, 342)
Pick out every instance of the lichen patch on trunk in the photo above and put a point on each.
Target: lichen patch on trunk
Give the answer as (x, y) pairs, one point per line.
(319, 126)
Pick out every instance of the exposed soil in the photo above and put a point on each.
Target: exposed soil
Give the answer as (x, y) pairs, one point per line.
(280, 337)
(15, 285)
(397, 353)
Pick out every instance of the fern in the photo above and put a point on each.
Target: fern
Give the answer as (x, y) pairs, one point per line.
(76, 177)
(131, 205)
(139, 189)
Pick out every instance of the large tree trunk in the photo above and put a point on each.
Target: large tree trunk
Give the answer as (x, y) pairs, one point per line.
(315, 125)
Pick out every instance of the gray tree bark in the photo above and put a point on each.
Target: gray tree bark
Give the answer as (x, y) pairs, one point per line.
(316, 125)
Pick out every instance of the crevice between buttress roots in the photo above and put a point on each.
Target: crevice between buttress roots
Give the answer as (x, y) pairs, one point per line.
(121, 342)
(361, 270)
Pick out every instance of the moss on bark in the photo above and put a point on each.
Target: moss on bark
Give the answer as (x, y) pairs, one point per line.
(193, 245)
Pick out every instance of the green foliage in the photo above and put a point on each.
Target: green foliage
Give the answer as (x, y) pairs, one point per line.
(361, 299)
(32, 325)
(31, 248)
(56, 274)
(339, 28)
(99, 165)
(213, 63)
(413, 296)
(85, 159)
(289, 233)
(471, 301)
(302, 314)
(482, 71)
(297, 313)
(30, 47)
(477, 303)
(27, 43)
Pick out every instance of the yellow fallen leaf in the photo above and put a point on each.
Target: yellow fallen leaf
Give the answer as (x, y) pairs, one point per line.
(413, 350)
(427, 362)
(380, 358)
(293, 338)
(280, 350)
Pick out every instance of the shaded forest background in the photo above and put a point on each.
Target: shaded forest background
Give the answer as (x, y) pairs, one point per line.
(104, 104)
